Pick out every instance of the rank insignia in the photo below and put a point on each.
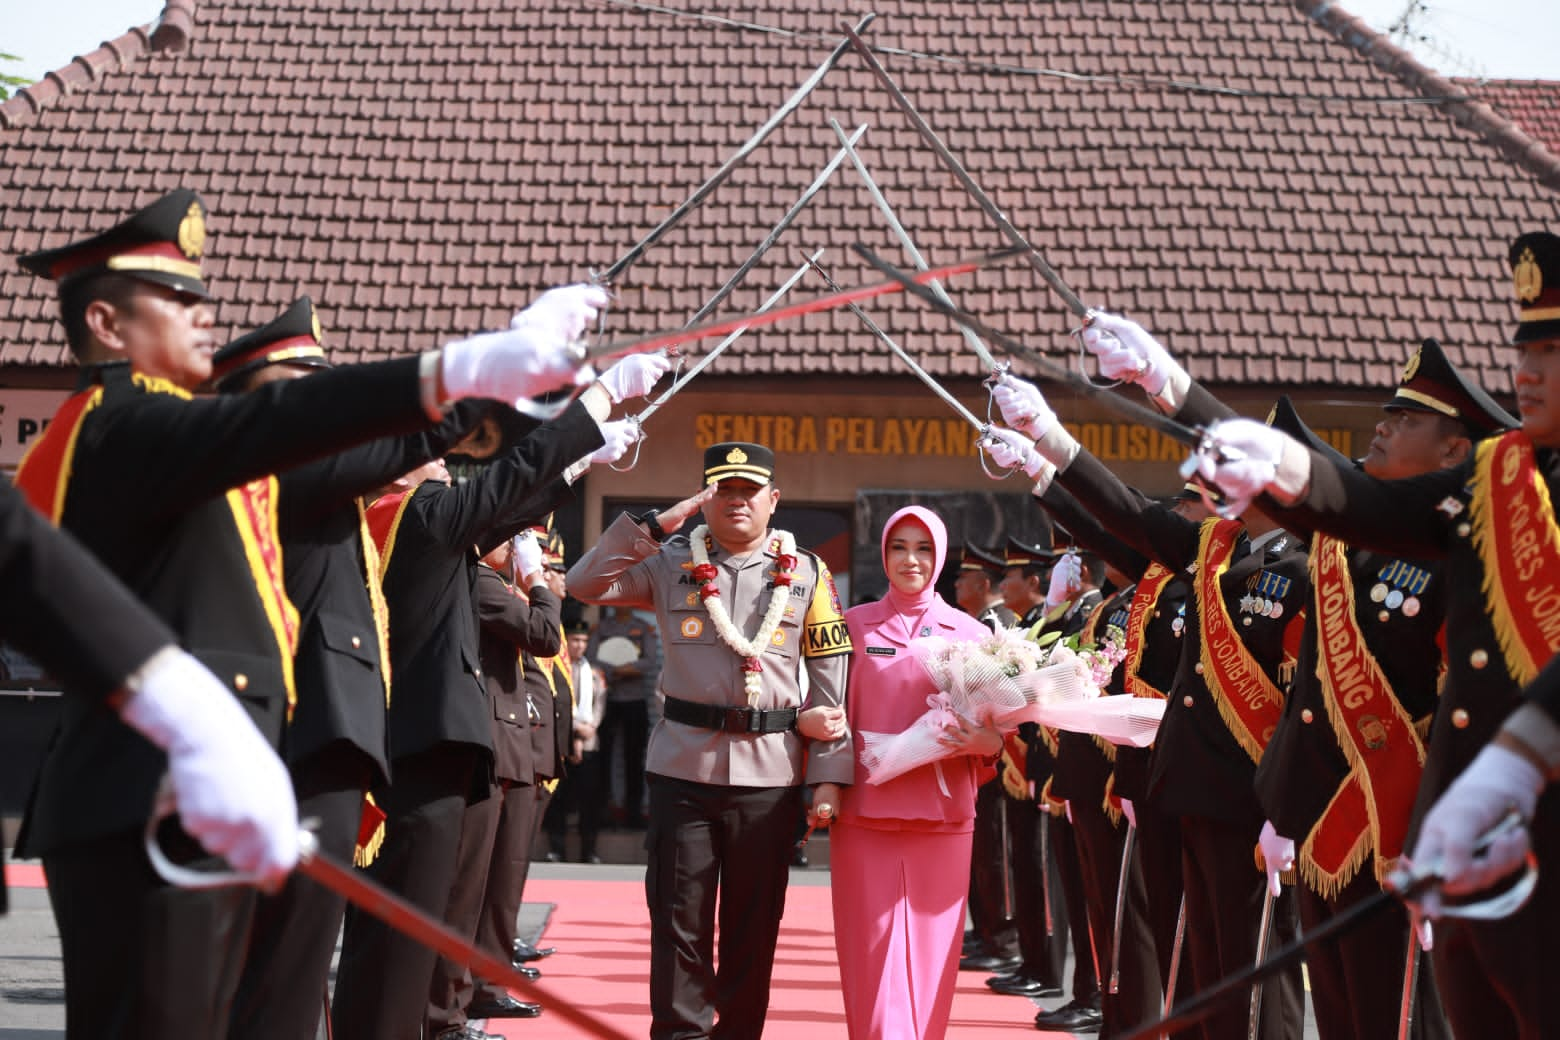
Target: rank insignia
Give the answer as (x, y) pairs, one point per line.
(1451, 505)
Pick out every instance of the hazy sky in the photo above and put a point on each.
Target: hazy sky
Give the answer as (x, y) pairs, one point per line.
(1504, 39)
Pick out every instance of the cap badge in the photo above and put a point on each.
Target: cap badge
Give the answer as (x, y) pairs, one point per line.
(736, 455)
(192, 232)
(1410, 369)
(314, 321)
(1528, 277)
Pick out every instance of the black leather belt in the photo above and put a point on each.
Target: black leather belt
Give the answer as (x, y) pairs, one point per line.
(728, 719)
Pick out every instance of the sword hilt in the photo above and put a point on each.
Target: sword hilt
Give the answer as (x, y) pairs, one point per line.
(1409, 880)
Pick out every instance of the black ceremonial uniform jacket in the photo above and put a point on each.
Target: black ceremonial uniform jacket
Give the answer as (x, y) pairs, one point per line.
(430, 583)
(1428, 516)
(552, 717)
(509, 627)
(1198, 767)
(1304, 765)
(1082, 766)
(148, 493)
(339, 673)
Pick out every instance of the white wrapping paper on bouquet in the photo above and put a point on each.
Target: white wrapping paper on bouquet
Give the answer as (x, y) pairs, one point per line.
(1002, 680)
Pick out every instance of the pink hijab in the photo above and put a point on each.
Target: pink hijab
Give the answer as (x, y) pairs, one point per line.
(917, 603)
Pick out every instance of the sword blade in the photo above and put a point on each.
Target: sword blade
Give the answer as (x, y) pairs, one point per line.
(915, 286)
(356, 888)
(914, 366)
(1410, 979)
(714, 180)
(1264, 934)
(1121, 907)
(962, 175)
(704, 362)
(668, 340)
(904, 239)
(775, 232)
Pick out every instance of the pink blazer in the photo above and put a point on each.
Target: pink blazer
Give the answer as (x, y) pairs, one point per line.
(887, 692)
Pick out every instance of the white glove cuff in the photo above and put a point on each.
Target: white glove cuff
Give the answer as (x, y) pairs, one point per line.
(158, 698)
(1057, 446)
(1171, 397)
(1043, 481)
(1291, 474)
(575, 470)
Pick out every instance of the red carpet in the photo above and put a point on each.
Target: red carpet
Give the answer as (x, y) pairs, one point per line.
(602, 934)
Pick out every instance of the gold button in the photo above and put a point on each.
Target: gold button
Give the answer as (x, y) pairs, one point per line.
(1198, 668)
(1187, 700)
(356, 642)
(1462, 530)
(1246, 620)
(1156, 613)
(1479, 658)
(240, 681)
(1384, 615)
(1460, 718)
(511, 716)
(477, 672)
(1305, 715)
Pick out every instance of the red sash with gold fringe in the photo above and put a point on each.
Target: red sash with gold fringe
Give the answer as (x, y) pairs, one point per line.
(376, 594)
(254, 515)
(1149, 586)
(383, 520)
(1518, 542)
(1248, 701)
(1371, 809)
(44, 473)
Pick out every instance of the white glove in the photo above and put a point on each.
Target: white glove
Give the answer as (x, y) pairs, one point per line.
(1066, 581)
(1278, 854)
(1245, 461)
(565, 312)
(1013, 450)
(511, 366)
(1497, 781)
(1127, 352)
(233, 793)
(1023, 406)
(528, 554)
(1129, 811)
(619, 437)
(634, 375)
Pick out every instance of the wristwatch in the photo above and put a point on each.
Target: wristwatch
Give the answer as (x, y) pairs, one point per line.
(648, 518)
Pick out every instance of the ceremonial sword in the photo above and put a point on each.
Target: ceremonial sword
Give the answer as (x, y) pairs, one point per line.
(955, 167)
(372, 898)
(1121, 908)
(1264, 935)
(705, 361)
(1405, 883)
(714, 180)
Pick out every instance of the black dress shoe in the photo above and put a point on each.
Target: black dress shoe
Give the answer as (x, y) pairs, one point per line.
(1023, 986)
(798, 857)
(526, 971)
(988, 962)
(1071, 1017)
(524, 952)
(504, 1007)
(465, 1032)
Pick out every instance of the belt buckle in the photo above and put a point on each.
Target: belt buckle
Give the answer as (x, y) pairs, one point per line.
(742, 720)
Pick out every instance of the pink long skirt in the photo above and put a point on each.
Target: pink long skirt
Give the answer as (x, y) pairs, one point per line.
(898, 922)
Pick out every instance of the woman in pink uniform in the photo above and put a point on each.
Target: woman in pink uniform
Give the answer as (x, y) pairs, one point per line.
(899, 852)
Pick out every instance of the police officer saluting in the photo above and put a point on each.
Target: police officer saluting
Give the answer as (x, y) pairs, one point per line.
(743, 614)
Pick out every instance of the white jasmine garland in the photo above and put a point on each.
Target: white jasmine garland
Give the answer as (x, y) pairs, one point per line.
(749, 650)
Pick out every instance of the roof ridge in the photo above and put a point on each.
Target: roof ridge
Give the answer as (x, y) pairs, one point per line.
(1507, 137)
(170, 32)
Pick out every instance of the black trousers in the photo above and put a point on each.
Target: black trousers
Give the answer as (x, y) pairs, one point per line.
(991, 881)
(627, 722)
(1069, 867)
(1224, 896)
(1037, 896)
(1099, 853)
(1357, 979)
(707, 841)
(582, 791)
(519, 810)
(1497, 978)
(281, 992)
(382, 978)
(143, 958)
(450, 991)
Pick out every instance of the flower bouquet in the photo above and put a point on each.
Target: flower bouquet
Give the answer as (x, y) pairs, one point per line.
(1002, 680)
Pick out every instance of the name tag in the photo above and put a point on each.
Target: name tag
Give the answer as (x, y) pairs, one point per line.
(882, 651)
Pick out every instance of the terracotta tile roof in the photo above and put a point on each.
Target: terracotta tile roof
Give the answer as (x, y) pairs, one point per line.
(1277, 192)
(1534, 105)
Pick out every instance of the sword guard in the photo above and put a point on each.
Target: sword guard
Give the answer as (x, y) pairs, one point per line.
(981, 439)
(638, 444)
(1409, 881)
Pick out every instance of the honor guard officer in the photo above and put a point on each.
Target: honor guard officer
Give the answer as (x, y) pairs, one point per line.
(1249, 587)
(1343, 769)
(746, 618)
(79, 621)
(975, 587)
(174, 495)
(335, 743)
(1492, 519)
(430, 536)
